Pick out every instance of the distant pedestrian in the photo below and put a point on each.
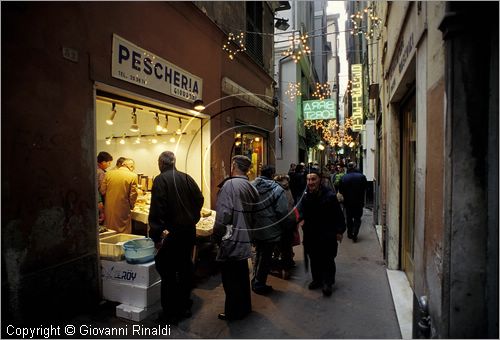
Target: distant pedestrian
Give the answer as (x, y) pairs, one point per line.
(298, 182)
(292, 168)
(285, 248)
(270, 217)
(176, 202)
(234, 217)
(352, 187)
(323, 225)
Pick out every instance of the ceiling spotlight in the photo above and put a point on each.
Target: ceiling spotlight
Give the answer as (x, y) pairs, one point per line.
(109, 139)
(134, 127)
(122, 140)
(281, 24)
(179, 130)
(172, 139)
(198, 105)
(154, 140)
(157, 123)
(112, 114)
(164, 129)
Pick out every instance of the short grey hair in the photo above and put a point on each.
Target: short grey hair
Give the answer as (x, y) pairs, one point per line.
(166, 161)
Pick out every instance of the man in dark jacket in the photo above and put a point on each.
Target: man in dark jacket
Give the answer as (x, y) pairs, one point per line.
(270, 219)
(176, 202)
(323, 225)
(352, 187)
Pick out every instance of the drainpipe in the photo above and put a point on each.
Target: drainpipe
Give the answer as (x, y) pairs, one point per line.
(280, 110)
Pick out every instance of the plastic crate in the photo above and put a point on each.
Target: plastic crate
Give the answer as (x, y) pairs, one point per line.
(111, 247)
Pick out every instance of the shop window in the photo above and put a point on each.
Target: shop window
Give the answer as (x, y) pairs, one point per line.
(252, 145)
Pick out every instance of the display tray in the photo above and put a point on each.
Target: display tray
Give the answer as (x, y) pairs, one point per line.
(111, 247)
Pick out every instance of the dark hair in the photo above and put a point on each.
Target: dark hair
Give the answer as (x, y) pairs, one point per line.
(268, 171)
(314, 170)
(103, 156)
(120, 161)
(242, 162)
(166, 161)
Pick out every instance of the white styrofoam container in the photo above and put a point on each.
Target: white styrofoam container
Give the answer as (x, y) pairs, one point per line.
(132, 295)
(143, 274)
(136, 313)
(111, 247)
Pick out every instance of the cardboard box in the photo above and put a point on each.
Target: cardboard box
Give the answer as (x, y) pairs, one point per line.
(131, 295)
(136, 313)
(143, 274)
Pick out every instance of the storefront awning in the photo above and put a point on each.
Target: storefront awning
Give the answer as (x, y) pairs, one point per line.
(232, 88)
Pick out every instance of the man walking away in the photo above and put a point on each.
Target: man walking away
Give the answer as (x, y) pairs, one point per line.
(176, 202)
(352, 187)
(323, 225)
(234, 216)
(270, 218)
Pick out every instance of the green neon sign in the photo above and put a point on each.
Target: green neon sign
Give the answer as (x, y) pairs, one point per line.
(319, 109)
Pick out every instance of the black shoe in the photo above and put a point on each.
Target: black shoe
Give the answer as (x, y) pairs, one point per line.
(349, 236)
(314, 285)
(354, 239)
(222, 316)
(262, 290)
(327, 290)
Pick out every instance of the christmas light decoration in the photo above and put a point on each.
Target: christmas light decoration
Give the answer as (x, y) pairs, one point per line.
(365, 22)
(298, 47)
(322, 91)
(234, 44)
(334, 134)
(294, 90)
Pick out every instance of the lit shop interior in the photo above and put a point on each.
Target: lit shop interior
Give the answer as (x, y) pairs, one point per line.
(141, 131)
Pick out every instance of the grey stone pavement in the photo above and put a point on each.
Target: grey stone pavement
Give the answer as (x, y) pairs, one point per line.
(361, 305)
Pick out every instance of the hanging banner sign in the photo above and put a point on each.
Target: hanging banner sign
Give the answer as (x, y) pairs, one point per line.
(357, 97)
(141, 67)
(318, 109)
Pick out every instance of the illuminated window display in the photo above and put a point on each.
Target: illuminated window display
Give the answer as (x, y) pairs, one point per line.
(252, 145)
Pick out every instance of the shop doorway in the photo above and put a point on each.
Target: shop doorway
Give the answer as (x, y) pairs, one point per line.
(253, 144)
(408, 159)
(141, 130)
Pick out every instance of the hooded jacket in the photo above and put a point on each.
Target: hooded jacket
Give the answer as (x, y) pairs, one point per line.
(271, 210)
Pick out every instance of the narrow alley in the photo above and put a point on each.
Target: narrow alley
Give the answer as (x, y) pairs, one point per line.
(361, 305)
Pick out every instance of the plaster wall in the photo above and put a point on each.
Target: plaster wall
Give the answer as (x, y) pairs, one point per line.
(433, 253)
(393, 187)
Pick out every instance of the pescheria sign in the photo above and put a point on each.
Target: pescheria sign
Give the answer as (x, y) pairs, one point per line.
(141, 67)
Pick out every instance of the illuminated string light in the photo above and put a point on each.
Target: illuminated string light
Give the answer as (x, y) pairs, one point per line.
(298, 47)
(293, 90)
(234, 44)
(334, 134)
(365, 22)
(322, 91)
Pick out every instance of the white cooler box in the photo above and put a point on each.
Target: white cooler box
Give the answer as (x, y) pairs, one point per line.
(143, 274)
(136, 313)
(131, 295)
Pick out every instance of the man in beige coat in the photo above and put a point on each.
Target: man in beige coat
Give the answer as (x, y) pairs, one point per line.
(120, 189)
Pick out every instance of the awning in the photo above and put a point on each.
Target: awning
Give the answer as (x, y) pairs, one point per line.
(231, 88)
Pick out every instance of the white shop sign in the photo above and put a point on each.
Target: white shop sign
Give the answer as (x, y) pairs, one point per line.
(141, 67)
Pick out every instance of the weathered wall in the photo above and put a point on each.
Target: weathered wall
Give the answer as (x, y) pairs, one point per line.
(49, 236)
